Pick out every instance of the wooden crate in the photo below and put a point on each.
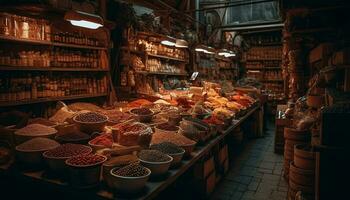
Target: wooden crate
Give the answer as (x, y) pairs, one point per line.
(205, 177)
(204, 168)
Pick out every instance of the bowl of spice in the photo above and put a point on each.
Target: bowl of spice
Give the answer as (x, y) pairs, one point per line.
(34, 130)
(130, 179)
(172, 150)
(144, 115)
(76, 137)
(156, 161)
(166, 128)
(56, 157)
(90, 122)
(85, 170)
(102, 141)
(30, 152)
(113, 162)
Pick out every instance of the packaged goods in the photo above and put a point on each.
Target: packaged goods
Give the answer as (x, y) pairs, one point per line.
(86, 160)
(36, 130)
(153, 156)
(167, 148)
(38, 144)
(68, 150)
(132, 170)
(91, 117)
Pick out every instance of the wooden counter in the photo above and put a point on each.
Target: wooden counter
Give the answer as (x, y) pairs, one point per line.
(153, 188)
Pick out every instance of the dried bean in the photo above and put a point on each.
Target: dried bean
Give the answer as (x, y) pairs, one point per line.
(91, 117)
(86, 160)
(153, 156)
(68, 150)
(141, 111)
(167, 148)
(131, 170)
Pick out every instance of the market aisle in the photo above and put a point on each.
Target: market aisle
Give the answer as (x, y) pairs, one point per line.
(255, 174)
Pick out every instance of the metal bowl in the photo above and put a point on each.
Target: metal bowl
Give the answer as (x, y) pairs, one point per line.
(157, 168)
(128, 184)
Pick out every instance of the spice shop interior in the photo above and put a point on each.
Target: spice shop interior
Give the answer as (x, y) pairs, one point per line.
(174, 99)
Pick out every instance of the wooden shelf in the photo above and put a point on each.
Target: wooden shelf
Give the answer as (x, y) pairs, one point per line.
(48, 43)
(58, 69)
(50, 99)
(260, 59)
(166, 57)
(265, 68)
(162, 73)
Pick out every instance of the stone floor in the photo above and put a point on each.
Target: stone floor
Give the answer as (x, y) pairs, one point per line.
(255, 173)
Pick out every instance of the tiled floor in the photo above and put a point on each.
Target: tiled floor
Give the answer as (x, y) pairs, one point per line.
(255, 174)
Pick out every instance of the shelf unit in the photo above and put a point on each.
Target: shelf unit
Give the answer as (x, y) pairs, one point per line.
(50, 99)
(46, 45)
(162, 73)
(263, 61)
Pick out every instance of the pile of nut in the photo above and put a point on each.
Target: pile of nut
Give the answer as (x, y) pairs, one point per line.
(91, 117)
(131, 170)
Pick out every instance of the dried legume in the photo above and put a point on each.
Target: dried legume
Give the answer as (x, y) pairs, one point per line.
(167, 148)
(153, 156)
(132, 170)
(38, 144)
(68, 150)
(91, 117)
(105, 140)
(86, 160)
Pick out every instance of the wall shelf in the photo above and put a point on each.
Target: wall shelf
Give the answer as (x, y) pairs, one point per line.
(58, 69)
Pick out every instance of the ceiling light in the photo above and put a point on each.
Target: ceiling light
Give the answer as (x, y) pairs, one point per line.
(180, 43)
(83, 19)
(168, 41)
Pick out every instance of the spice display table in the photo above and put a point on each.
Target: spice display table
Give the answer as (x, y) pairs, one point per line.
(153, 187)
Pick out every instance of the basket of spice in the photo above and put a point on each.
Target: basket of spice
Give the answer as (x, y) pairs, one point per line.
(130, 179)
(156, 161)
(131, 134)
(142, 114)
(90, 122)
(30, 152)
(85, 170)
(166, 128)
(56, 157)
(34, 130)
(172, 150)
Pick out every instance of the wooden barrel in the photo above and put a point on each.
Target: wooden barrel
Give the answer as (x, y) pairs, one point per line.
(304, 157)
(293, 137)
(301, 176)
(308, 191)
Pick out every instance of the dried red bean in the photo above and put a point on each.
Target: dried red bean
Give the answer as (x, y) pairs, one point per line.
(68, 150)
(131, 170)
(85, 160)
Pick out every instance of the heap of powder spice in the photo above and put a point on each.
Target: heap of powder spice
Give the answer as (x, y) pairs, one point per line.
(38, 144)
(175, 138)
(105, 140)
(36, 130)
